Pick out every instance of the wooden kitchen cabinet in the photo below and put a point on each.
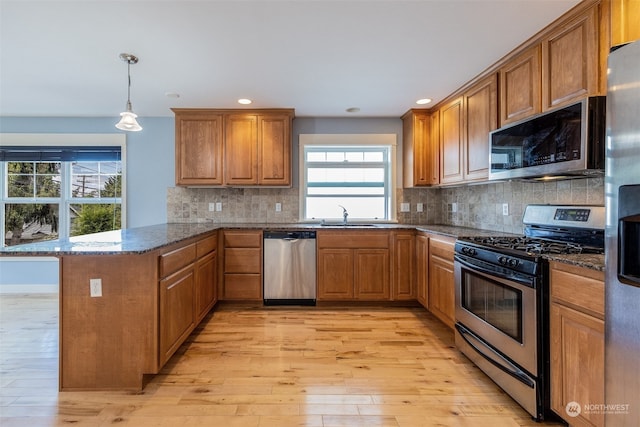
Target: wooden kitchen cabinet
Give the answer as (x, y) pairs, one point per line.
(481, 117)
(452, 141)
(206, 271)
(433, 148)
(353, 265)
(199, 147)
(233, 147)
(403, 267)
(242, 265)
(577, 341)
(520, 85)
(625, 21)
(572, 67)
(415, 141)
(422, 268)
(177, 311)
(441, 298)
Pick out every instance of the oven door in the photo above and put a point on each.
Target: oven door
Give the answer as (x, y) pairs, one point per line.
(498, 310)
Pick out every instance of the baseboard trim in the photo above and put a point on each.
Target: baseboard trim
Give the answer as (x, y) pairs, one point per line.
(28, 289)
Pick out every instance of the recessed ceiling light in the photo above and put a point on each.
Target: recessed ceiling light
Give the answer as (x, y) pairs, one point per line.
(352, 110)
(172, 95)
(244, 101)
(423, 101)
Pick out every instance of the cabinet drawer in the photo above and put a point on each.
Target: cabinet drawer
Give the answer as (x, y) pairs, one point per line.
(176, 259)
(242, 287)
(242, 239)
(353, 239)
(579, 287)
(441, 248)
(206, 245)
(242, 260)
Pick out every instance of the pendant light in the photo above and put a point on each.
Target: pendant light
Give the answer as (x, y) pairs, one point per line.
(128, 121)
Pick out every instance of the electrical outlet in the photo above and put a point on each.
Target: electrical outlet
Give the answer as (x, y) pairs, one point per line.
(218, 206)
(505, 209)
(405, 207)
(95, 287)
(419, 207)
(454, 207)
(278, 207)
(212, 207)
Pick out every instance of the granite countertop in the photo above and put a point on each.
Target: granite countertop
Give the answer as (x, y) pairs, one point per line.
(591, 261)
(144, 239)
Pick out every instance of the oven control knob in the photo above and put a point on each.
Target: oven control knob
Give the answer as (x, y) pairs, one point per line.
(468, 251)
(513, 262)
(503, 260)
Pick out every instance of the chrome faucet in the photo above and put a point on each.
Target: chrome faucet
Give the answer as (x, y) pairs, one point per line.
(345, 214)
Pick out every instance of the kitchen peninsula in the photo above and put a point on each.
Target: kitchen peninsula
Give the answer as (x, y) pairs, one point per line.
(129, 298)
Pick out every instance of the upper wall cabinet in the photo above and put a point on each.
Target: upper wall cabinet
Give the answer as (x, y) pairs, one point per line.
(421, 148)
(415, 140)
(481, 117)
(451, 141)
(625, 21)
(199, 142)
(571, 63)
(238, 147)
(520, 86)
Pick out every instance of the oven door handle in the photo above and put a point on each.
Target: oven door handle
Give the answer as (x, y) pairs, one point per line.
(503, 364)
(478, 267)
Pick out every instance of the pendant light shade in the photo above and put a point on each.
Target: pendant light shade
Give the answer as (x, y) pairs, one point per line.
(128, 120)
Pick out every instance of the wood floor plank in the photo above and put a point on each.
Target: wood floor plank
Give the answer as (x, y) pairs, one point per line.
(253, 366)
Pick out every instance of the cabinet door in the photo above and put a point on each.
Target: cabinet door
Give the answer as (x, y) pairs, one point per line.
(451, 142)
(403, 267)
(481, 105)
(625, 21)
(274, 159)
(422, 269)
(372, 274)
(577, 363)
(335, 274)
(206, 271)
(241, 149)
(520, 80)
(415, 140)
(571, 61)
(433, 148)
(198, 149)
(177, 312)
(441, 281)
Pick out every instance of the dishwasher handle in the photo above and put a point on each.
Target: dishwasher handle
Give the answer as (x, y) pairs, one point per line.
(289, 235)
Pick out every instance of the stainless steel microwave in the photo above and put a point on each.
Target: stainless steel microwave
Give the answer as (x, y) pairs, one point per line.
(561, 143)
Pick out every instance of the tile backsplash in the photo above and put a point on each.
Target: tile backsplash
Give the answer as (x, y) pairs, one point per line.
(477, 206)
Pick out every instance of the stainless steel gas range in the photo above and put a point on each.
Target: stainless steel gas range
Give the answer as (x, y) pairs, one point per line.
(502, 301)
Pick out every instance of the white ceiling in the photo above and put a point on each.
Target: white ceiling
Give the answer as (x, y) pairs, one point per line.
(61, 58)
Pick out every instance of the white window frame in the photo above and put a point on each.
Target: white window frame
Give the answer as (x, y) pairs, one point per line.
(65, 200)
(350, 140)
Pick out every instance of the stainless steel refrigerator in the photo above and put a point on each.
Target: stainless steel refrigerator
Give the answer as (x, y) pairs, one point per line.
(622, 201)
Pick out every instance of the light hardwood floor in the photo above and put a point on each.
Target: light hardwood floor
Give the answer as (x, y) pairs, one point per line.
(262, 367)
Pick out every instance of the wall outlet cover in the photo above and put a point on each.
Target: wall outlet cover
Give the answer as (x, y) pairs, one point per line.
(419, 207)
(218, 206)
(278, 207)
(505, 209)
(95, 287)
(405, 207)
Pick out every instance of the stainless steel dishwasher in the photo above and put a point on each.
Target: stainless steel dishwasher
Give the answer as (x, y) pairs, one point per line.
(289, 267)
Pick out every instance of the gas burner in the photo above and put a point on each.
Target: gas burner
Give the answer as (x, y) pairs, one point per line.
(533, 246)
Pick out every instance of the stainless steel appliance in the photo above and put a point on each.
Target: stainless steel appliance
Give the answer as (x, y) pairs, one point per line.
(502, 302)
(563, 142)
(622, 277)
(289, 267)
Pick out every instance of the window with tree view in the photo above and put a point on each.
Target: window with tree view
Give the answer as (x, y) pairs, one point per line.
(44, 200)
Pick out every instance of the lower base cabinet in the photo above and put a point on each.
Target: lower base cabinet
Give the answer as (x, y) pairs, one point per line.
(353, 266)
(422, 269)
(577, 343)
(177, 314)
(241, 278)
(441, 294)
